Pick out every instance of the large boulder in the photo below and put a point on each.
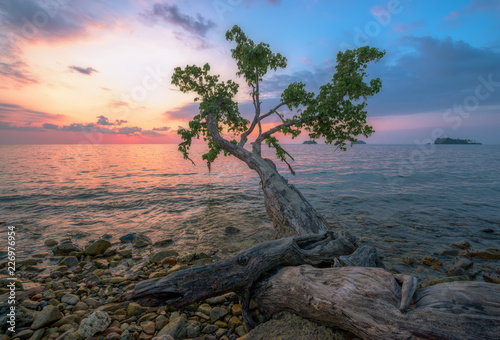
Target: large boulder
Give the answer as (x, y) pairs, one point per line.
(290, 326)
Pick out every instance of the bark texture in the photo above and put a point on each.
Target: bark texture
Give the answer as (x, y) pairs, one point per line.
(239, 273)
(289, 211)
(369, 303)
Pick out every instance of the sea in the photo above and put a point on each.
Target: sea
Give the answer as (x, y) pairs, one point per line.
(408, 201)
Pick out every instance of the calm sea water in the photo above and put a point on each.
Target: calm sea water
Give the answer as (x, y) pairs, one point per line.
(403, 199)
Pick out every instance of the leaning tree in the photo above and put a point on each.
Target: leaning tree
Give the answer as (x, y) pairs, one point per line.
(323, 276)
(337, 114)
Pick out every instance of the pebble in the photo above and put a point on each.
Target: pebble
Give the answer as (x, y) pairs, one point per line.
(97, 248)
(86, 285)
(98, 321)
(431, 261)
(45, 317)
(65, 249)
(141, 241)
(70, 299)
(135, 309)
(50, 242)
(160, 255)
(462, 245)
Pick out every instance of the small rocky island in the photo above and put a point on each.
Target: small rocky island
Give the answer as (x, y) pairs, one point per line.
(455, 141)
(359, 142)
(310, 142)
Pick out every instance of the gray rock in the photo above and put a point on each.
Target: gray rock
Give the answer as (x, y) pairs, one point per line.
(97, 248)
(462, 244)
(217, 312)
(126, 253)
(459, 267)
(65, 249)
(210, 329)
(24, 334)
(176, 328)
(141, 241)
(126, 335)
(50, 242)
(80, 306)
(30, 304)
(71, 261)
(160, 322)
(164, 243)
(193, 329)
(231, 230)
(158, 256)
(70, 299)
(45, 317)
(68, 320)
(491, 277)
(129, 238)
(186, 258)
(96, 322)
(163, 337)
(290, 326)
(38, 334)
(134, 309)
(92, 281)
(112, 336)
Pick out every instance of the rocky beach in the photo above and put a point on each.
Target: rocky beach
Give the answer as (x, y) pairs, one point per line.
(74, 291)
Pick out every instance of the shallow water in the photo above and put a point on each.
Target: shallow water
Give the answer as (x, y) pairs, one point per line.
(403, 199)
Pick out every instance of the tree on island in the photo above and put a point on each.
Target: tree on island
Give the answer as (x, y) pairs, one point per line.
(337, 114)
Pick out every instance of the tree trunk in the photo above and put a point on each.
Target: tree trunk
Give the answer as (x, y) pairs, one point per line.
(369, 302)
(290, 212)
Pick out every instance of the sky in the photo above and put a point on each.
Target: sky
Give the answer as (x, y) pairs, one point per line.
(99, 71)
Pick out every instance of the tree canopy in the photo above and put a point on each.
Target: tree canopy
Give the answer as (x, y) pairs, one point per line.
(337, 113)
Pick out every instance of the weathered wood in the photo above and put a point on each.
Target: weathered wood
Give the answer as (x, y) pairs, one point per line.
(288, 209)
(241, 271)
(368, 302)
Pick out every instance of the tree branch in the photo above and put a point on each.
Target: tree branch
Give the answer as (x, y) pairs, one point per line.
(223, 143)
(278, 128)
(256, 104)
(274, 109)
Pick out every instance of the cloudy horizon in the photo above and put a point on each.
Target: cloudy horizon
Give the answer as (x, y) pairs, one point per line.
(72, 70)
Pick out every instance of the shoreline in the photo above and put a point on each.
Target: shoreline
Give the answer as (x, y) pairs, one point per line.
(85, 280)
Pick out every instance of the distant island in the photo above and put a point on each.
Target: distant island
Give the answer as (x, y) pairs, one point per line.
(455, 141)
(359, 142)
(310, 142)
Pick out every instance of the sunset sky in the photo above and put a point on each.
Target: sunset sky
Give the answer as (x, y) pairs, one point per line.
(99, 71)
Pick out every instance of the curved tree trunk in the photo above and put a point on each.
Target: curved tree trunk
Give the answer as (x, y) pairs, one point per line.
(290, 212)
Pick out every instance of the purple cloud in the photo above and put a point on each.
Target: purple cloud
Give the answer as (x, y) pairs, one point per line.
(163, 128)
(151, 133)
(172, 15)
(82, 70)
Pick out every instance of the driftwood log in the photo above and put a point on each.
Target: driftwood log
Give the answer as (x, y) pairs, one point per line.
(283, 275)
(368, 303)
(238, 273)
